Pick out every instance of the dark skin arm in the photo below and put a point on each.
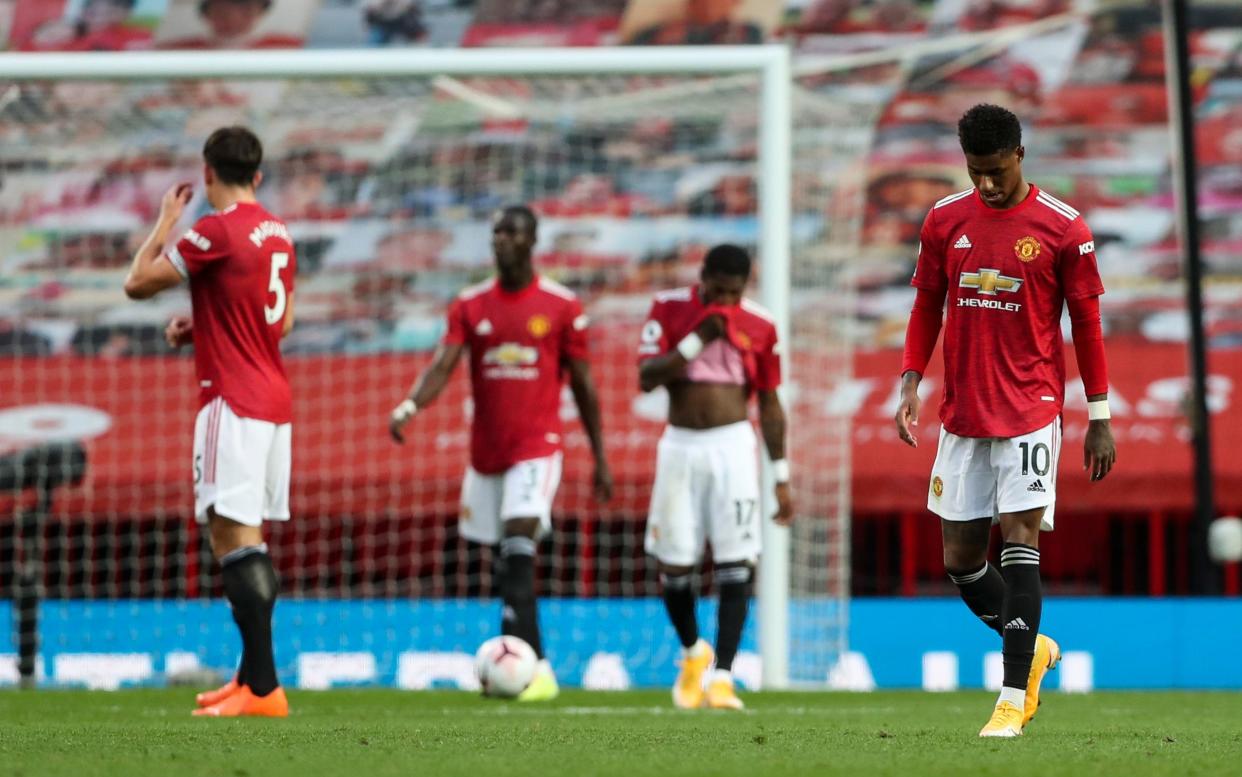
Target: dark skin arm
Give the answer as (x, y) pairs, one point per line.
(428, 386)
(1099, 451)
(587, 400)
(671, 367)
(772, 425)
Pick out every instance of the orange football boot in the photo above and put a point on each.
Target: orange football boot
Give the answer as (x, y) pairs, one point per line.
(208, 698)
(243, 703)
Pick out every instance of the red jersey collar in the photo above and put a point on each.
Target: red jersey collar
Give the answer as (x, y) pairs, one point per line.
(522, 292)
(1001, 213)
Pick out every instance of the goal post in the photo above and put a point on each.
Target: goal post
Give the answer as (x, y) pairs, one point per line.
(762, 73)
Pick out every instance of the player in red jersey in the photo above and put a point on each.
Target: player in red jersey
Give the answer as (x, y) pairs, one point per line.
(1008, 257)
(524, 334)
(712, 349)
(240, 263)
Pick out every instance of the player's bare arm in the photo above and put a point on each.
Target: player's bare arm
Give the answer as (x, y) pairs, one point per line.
(1099, 450)
(587, 400)
(772, 424)
(671, 367)
(908, 408)
(428, 386)
(149, 273)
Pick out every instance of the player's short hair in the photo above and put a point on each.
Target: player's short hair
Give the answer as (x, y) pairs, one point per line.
(989, 129)
(727, 259)
(234, 153)
(525, 212)
(203, 4)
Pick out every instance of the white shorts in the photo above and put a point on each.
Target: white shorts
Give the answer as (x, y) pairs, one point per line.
(981, 477)
(525, 490)
(241, 466)
(706, 489)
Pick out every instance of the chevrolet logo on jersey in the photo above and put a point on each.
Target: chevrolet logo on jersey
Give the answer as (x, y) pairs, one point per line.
(511, 355)
(989, 282)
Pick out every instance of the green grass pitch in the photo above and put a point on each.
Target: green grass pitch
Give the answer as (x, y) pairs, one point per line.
(372, 733)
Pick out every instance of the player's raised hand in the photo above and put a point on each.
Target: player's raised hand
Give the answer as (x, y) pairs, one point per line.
(711, 327)
(400, 416)
(1099, 451)
(908, 414)
(179, 332)
(174, 201)
(602, 484)
(784, 505)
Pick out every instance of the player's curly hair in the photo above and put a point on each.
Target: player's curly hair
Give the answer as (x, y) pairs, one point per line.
(989, 129)
(234, 153)
(727, 259)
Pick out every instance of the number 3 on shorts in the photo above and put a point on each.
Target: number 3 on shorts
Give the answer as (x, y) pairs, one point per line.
(276, 312)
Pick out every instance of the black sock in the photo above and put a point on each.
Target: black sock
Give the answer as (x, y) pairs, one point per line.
(250, 585)
(734, 585)
(679, 601)
(1023, 606)
(983, 590)
(520, 616)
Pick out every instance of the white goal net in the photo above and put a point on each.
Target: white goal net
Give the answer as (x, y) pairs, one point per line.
(387, 183)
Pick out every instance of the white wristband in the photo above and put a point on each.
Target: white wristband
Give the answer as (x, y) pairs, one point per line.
(690, 346)
(1098, 410)
(780, 470)
(405, 409)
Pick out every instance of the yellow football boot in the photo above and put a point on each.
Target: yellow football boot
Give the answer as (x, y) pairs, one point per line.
(720, 693)
(1047, 656)
(688, 690)
(1006, 721)
(543, 687)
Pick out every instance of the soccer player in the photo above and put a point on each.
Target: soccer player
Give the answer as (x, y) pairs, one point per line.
(240, 263)
(524, 333)
(1008, 256)
(712, 349)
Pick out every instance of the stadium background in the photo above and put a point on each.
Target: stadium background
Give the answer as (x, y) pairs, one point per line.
(390, 224)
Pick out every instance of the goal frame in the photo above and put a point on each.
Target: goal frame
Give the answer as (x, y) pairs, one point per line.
(771, 63)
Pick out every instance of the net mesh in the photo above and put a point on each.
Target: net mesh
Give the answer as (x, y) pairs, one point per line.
(387, 186)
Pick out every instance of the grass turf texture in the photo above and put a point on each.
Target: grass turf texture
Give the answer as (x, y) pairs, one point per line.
(371, 733)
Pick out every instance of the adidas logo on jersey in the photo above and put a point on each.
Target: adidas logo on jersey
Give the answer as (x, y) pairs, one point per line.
(962, 242)
(1038, 485)
(1017, 623)
(484, 328)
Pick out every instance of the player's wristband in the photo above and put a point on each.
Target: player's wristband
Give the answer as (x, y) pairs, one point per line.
(1098, 410)
(780, 470)
(690, 346)
(406, 409)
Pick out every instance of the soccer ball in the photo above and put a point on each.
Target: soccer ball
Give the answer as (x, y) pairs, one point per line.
(505, 666)
(1225, 540)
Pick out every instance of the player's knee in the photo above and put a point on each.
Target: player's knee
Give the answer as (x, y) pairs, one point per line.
(522, 527)
(961, 557)
(734, 580)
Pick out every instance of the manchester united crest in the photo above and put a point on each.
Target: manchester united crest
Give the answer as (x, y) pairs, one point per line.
(1027, 249)
(538, 325)
(937, 486)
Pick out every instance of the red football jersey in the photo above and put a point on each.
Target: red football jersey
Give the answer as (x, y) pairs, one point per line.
(1007, 274)
(240, 264)
(520, 344)
(751, 330)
